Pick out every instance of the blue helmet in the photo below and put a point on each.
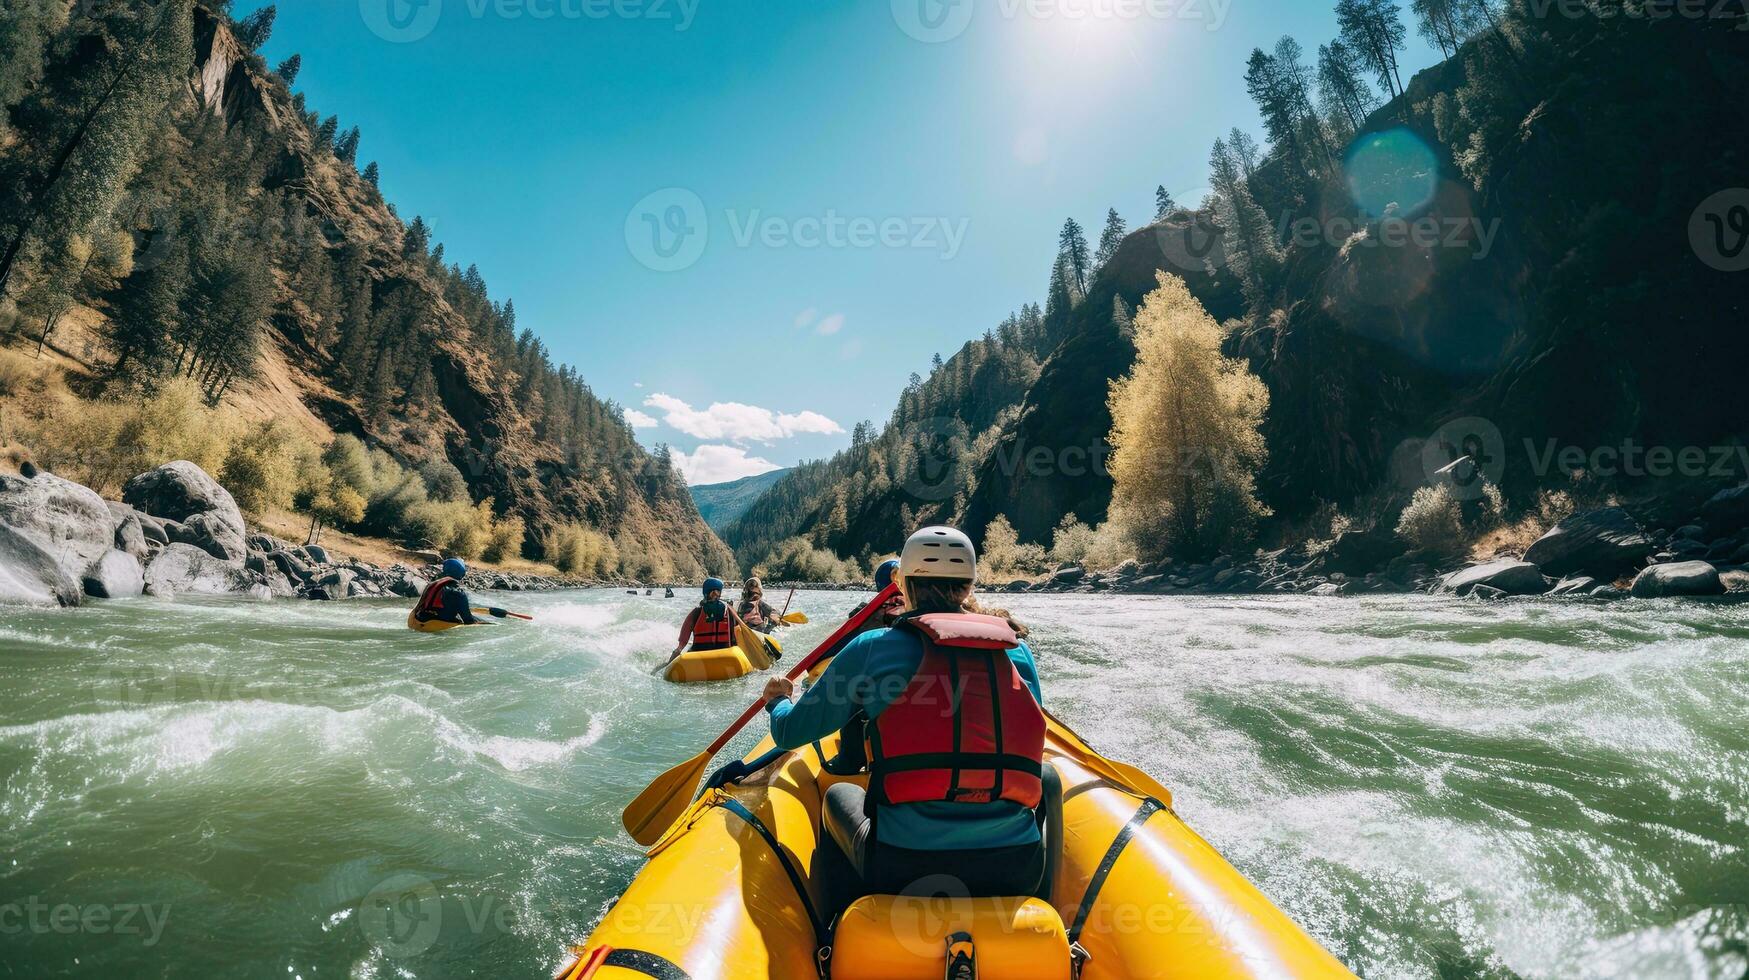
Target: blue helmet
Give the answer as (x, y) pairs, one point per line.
(455, 568)
(884, 574)
(712, 585)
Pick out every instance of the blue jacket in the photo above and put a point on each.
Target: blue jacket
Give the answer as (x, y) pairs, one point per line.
(870, 673)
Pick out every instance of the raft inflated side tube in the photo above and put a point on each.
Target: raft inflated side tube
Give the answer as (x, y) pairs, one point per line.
(1140, 893)
(695, 666)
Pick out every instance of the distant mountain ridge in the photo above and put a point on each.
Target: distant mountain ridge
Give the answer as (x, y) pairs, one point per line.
(721, 504)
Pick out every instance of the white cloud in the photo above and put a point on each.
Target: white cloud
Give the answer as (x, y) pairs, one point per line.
(637, 384)
(741, 423)
(719, 464)
(806, 317)
(638, 420)
(830, 325)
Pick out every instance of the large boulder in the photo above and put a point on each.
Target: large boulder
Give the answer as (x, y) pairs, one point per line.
(69, 522)
(183, 569)
(31, 576)
(1359, 552)
(1678, 579)
(180, 490)
(1509, 575)
(117, 575)
(1600, 542)
(212, 534)
(1727, 511)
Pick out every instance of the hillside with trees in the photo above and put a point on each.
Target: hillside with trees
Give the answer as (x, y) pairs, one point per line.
(181, 233)
(1508, 234)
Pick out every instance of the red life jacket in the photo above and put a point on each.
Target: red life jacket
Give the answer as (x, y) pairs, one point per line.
(713, 634)
(967, 729)
(431, 602)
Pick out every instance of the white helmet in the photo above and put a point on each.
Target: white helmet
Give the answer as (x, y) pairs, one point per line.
(938, 552)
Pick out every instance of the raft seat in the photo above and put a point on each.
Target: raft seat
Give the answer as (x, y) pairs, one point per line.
(890, 937)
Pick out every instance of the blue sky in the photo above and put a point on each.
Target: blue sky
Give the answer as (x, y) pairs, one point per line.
(780, 208)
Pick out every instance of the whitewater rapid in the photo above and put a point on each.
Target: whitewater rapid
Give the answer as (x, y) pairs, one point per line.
(1433, 787)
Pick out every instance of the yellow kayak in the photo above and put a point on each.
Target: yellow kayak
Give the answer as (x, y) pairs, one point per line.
(434, 626)
(747, 655)
(730, 892)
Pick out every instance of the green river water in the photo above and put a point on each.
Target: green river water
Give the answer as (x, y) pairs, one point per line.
(1434, 788)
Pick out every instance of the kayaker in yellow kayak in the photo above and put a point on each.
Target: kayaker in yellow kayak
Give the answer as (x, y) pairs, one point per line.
(956, 736)
(710, 625)
(754, 610)
(444, 600)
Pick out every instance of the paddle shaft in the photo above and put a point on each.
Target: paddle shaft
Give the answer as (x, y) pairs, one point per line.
(846, 631)
(510, 614)
(787, 600)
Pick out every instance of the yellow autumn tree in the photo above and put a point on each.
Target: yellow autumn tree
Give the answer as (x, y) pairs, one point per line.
(1186, 445)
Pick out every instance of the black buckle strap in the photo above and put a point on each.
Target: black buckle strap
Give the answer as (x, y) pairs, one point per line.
(1149, 807)
(821, 931)
(649, 964)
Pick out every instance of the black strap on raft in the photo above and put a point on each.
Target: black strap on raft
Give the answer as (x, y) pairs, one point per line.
(795, 878)
(962, 957)
(649, 964)
(1150, 806)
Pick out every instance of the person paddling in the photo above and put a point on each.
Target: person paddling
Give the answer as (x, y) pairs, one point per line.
(956, 730)
(710, 625)
(754, 610)
(444, 600)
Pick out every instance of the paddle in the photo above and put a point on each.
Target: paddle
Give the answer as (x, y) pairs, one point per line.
(512, 615)
(796, 619)
(661, 803)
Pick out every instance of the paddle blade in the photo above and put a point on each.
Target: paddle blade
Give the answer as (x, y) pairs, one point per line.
(796, 619)
(663, 801)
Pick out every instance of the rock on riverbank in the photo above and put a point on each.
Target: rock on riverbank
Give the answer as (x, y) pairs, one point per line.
(1585, 555)
(177, 532)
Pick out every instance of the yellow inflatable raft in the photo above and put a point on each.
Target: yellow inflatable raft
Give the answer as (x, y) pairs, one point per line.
(731, 892)
(747, 655)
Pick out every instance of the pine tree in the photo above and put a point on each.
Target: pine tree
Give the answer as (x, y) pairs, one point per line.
(103, 119)
(289, 68)
(346, 146)
(372, 174)
(24, 36)
(1244, 151)
(255, 29)
(1247, 237)
(1374, 30)
(146, 308)
(1072, 246)
(1164, 205)
(1344, 93)
(327, 132)
(1109, 239)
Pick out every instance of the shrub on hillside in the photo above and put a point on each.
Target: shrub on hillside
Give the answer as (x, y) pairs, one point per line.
(1004, 559)
(267, 466)
(1433, 522)
(797, 560)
